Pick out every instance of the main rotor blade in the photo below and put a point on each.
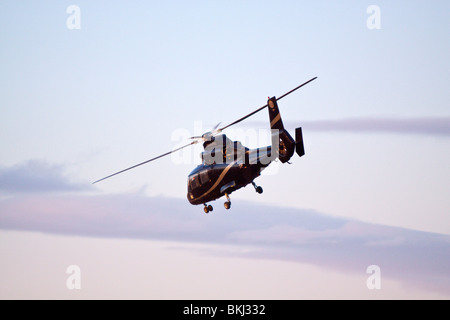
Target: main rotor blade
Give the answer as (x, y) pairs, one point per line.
(139, 164)
(259, 109)
(216, 126)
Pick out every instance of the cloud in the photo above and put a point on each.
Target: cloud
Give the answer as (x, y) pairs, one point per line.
(35, 176)
(299, 235)
(436, 126)
(430, 126)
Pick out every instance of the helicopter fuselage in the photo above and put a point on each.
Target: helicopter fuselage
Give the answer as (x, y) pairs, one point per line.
(210, 181)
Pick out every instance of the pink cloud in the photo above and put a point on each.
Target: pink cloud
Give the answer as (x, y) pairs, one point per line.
(273, 233)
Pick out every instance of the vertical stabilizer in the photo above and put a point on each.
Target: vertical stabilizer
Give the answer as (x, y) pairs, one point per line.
(282, 142)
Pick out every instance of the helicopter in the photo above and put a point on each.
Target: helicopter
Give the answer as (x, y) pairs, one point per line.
(228, 165)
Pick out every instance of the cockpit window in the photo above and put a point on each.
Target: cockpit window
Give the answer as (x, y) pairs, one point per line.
(198, 179)
(204, 177)
(194, 181)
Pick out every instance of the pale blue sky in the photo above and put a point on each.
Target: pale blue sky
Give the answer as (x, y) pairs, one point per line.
(77, 105)
(112, 93)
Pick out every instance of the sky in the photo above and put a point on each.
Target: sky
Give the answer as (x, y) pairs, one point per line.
(88, 88)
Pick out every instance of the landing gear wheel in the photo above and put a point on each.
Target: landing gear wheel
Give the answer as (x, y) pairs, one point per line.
(207, 208)
(227, 204)
(258, 189)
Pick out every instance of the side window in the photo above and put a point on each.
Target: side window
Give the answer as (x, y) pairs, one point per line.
(204, 177)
